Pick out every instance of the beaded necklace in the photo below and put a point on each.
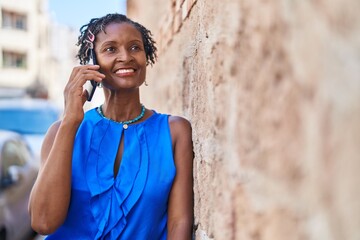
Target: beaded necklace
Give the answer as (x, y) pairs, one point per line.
(124, 123)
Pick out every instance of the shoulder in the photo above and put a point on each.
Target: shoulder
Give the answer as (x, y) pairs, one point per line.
(179, 122)
(181, 131)
(179, 125)
(49, 139)
(53, 129)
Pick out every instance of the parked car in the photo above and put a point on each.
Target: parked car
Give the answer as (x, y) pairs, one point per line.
(30, 118)
(17, 176)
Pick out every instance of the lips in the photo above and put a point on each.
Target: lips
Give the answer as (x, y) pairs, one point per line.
(125, 70)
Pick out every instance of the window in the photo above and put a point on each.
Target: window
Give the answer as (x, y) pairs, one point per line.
(14, 60)
(13, 20)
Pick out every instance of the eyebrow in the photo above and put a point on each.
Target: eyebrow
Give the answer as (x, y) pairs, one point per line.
(107, 43)
(110, 42)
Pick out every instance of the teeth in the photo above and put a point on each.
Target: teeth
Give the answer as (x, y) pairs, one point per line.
(125, 70)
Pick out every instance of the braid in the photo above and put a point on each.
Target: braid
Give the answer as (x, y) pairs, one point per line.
(97, 25)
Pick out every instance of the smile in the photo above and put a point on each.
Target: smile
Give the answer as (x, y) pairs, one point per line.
(123, 71)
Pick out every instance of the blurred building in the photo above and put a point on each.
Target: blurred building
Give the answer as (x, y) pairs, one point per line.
(36, 53)
(24, 45)
(62, 59)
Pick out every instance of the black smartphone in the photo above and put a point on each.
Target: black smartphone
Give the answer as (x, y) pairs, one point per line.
(91, 85)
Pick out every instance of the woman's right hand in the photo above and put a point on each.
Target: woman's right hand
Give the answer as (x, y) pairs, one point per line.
(75, 95)
(51, 193)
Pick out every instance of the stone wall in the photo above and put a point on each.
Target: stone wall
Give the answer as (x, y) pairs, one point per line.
(272, 89)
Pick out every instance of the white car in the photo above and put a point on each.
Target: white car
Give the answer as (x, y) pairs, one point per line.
(18, 173)
(29, 117)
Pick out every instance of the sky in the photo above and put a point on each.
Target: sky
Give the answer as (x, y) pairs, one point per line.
(76, 13)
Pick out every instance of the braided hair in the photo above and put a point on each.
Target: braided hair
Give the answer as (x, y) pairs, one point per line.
(97, 25)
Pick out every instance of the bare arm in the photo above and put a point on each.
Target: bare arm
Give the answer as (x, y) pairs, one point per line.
(181, 201)
(50, 196)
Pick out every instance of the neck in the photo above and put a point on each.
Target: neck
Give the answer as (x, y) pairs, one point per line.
(127, 122)
(121, 112)
(121, 105)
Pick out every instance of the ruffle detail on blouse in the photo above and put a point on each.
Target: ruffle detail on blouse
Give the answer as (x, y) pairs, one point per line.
(113, 198)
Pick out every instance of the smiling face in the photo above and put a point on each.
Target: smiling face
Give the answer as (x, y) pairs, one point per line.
(121, 56)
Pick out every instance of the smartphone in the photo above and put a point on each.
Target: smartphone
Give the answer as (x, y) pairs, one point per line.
(90, 85)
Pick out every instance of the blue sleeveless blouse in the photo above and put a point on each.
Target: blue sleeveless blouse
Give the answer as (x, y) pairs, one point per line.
(132, 204)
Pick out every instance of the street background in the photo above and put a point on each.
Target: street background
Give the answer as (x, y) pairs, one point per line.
(272, 89)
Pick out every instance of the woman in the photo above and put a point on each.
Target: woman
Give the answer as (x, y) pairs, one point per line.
(118, 171)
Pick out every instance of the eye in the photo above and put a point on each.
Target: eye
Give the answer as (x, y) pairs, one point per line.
(135, 48)
(110, 49)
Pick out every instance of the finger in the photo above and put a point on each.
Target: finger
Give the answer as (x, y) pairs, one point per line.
(73, 73)
(84, 96)
(72, 90)
(82, 77)
(77, 71)
(91, 70)
(76, 88)
(93, 67)
(89, 66)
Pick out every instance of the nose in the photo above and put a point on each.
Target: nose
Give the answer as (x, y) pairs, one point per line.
(124, 55)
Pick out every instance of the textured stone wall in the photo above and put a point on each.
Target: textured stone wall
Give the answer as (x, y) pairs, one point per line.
(272, 89)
